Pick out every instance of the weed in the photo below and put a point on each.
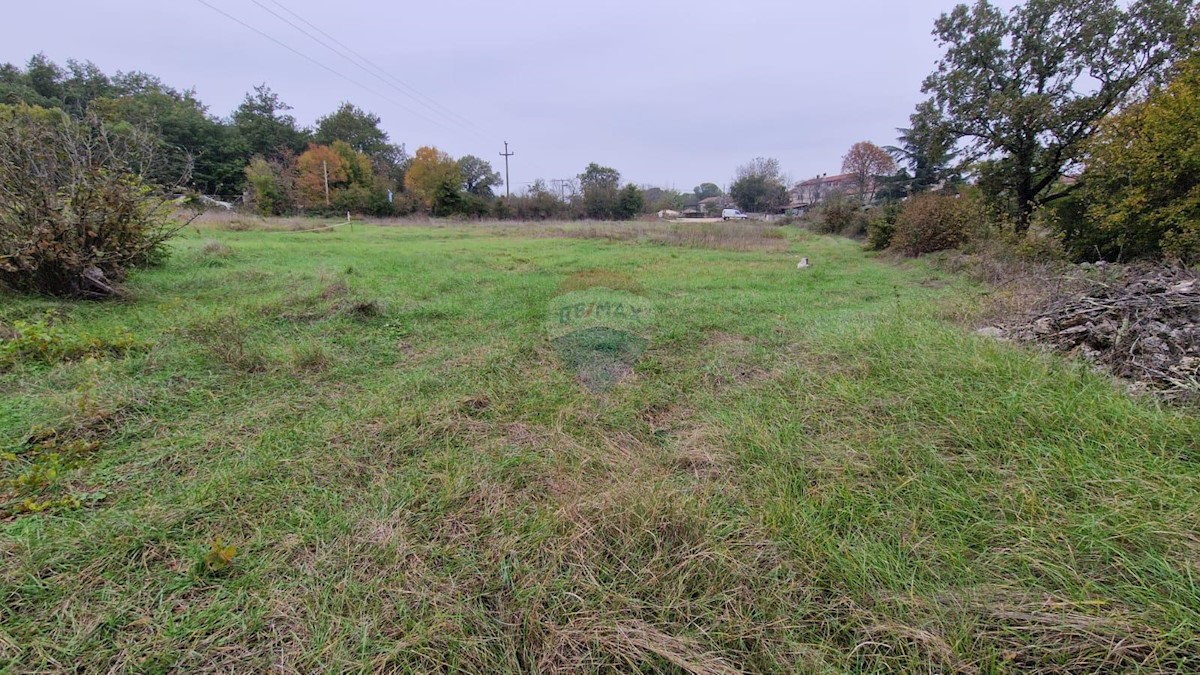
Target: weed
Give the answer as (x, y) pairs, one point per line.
(213, 253)
(609, 279)
(364, 309)
(218, 558)
(31, 474)
(309, 356)
(43, 341)
(227, 340)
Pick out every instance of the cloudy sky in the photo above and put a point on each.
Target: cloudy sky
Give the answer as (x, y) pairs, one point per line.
(670, 93)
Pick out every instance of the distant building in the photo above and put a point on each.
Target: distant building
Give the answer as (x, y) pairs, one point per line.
(709, 207)
(816, 190)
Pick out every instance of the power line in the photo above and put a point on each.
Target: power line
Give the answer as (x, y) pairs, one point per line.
(380, 73)
(318, 63)
(431, 103)
(370, 67)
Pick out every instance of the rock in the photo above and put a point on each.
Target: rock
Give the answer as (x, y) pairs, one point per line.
(991, 332)
(1043, 326)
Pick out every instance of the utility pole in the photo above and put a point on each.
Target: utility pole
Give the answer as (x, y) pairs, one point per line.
(563, 184)
(506, 154)
(325, 170)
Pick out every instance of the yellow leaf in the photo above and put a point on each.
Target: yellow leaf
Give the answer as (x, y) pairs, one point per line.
(219, 556)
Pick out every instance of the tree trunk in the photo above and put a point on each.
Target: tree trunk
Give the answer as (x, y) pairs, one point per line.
(1024, 213)
(1026, 195)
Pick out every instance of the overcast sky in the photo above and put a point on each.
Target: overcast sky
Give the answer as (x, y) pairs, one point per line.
(669, 93)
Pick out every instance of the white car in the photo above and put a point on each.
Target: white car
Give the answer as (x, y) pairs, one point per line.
(733, 214)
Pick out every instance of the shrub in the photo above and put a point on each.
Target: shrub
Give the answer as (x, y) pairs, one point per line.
(837, 214)
(271, 185)
(842, 215)
(934, 222)
(881, 227)
(1138, 196)
(1183, 243)
(76, 214)
(44, 342)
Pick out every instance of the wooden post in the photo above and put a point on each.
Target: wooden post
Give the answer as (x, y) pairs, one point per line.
(325, 169)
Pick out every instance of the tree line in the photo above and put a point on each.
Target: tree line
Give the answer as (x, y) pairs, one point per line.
(1075, 118)
(345, 162)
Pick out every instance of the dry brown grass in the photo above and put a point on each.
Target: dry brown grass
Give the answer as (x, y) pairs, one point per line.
(215, 249)
(729, 236)
(733, 361)
(239, 221)
(721, 236)
(586, 279)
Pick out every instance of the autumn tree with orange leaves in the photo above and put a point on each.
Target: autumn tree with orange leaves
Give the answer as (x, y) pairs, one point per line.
(866, 162)
(311, 168)
(434, 177)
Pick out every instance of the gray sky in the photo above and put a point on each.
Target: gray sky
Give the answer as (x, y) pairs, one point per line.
(669, 93)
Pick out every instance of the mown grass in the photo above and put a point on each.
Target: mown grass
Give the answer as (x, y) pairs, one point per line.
(808, 471)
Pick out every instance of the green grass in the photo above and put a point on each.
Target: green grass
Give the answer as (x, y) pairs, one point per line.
(806, 471)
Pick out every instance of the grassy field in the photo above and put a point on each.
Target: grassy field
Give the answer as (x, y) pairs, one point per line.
(806, 470)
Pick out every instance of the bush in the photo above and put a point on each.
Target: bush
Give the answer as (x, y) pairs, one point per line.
(76, 214)
(882, 226)
(1138, 197)
(1183, 243)
(837, 214)
(934, 222)
(271, 185)
(44, 342)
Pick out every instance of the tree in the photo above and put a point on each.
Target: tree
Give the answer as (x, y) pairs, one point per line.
(759, 186)
(1030, 86)
(434, 178)
(867, 162)
(629, 202)
(188, 136)
(657, 199)
(45, 79)
(83, 84)
(357, 164)
(478, 176)
(766, 167)
(271, 184)
(265, 126)
(320, 165)
(599, 177)
(43, 83)
(706, 190)
(1139, 193)
(599, 185)
(354, 126)
(538, 203)
(189, 139)
(926, 150)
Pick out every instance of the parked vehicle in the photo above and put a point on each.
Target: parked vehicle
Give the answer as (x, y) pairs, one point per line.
(733, 214)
